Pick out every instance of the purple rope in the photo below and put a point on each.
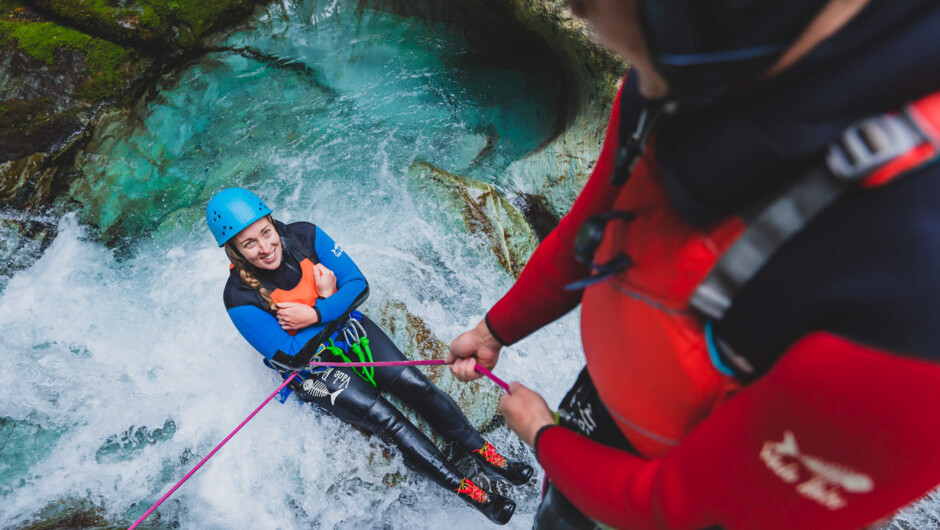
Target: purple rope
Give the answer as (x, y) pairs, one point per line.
(208, 456)
(476, 367)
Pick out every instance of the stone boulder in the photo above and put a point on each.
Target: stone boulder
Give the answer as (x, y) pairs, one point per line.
(479, 400)
(485, 213)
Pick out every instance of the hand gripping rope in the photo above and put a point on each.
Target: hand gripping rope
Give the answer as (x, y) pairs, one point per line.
(363, 352)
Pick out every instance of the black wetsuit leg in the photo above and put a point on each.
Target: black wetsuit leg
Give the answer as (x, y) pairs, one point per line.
(342, 393)
(582, 411)
(412, 386)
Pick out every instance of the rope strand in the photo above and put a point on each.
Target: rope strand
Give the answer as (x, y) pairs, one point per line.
(478, 368)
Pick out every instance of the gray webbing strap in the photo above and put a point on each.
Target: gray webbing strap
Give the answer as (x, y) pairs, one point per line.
(860, 150)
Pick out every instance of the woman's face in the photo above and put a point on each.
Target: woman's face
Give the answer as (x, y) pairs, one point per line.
(260, 244)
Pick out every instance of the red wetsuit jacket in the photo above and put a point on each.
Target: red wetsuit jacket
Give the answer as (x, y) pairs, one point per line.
(832, 435)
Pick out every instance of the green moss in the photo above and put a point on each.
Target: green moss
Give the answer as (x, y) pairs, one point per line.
(201, 15)
(149, 17)
(117, 21)
(108, 64)
(150, 20)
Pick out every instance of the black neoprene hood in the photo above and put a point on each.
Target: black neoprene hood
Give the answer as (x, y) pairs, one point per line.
(702, 47)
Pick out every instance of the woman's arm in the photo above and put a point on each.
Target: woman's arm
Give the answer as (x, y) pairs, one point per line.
(539, 296)
(834, 436)
(262, 331)
(351, 286)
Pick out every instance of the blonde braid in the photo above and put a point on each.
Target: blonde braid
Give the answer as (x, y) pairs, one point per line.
(247, 275)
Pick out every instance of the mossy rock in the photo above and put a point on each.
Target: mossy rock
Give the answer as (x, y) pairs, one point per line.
(485, 213)
(52, 77)
(107, 67)
(157, 25)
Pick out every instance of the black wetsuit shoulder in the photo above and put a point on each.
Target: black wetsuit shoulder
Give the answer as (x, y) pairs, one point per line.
(865, 268)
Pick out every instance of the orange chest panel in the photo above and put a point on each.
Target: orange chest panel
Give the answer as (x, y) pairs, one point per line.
(306, 290)
(646, 350)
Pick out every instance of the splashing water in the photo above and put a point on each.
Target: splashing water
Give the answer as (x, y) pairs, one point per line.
(122, 369)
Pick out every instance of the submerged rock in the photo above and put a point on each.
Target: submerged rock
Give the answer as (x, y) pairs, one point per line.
(68, 513)
(23, 443)
(479, 400)
(119, 446)
(484, 211)
(22, 242)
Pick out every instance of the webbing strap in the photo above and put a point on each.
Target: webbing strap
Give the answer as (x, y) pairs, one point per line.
(860, 151)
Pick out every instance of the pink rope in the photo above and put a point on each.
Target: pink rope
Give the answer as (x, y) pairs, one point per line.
(203, 461)
(477, 367)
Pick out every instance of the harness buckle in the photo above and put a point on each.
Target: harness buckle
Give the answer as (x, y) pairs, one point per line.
(869, 144)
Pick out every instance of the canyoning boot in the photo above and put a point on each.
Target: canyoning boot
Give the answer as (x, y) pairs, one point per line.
(497, 467)
(494, 506)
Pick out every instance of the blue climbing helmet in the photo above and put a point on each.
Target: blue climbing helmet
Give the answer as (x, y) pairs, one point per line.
(231, 210)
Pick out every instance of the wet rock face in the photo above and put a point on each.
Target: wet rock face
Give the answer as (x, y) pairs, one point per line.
(52, 74)
(24, 185)
(51, 77)
(40, 108)
(479, 400)
(22, 241)
(537, 212)
(484, 212)
(68, 513)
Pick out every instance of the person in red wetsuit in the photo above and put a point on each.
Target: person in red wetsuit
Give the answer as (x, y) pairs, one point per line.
(755, 257)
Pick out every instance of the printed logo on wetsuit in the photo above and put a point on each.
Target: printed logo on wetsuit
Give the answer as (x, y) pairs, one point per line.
(337, 250)
(318, 387)
(825, 483)
(585, 415)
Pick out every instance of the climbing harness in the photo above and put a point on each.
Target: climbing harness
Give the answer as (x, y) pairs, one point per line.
(502, 384)
(355, 339)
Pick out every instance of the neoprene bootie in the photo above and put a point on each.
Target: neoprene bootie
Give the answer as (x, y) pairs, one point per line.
(494, 506)
(497, 467)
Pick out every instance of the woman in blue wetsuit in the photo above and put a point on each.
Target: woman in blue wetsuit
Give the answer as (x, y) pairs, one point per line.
(291, 293)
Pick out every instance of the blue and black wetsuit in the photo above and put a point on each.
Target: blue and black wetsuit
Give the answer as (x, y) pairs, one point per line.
(341, 391)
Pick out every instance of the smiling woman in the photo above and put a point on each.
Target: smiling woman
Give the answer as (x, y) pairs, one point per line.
(259, 244)
(292, 311)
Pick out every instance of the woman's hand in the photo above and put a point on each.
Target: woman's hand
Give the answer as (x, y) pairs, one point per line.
(525, 411)
(292, 316)
(476, 345)
(325, 280)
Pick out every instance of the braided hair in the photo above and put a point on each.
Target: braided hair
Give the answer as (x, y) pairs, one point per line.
(246, 271)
